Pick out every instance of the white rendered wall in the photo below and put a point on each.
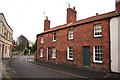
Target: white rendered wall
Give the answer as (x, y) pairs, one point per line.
(115, 56)
(119, 44)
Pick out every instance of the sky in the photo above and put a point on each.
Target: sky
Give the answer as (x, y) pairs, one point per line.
(26, 17)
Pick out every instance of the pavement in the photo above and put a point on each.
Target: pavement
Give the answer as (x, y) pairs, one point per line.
(83, 72)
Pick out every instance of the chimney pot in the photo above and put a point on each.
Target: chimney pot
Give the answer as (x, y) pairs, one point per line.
(96, 14)
(117, 5)
(71, 15)
(46, 24)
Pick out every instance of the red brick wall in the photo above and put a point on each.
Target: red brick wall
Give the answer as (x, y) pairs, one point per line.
(118, 6)
(83, 36)
(71, 15)
(46, 24)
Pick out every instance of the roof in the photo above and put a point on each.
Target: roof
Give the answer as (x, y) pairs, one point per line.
(83, 21)
(5, 20)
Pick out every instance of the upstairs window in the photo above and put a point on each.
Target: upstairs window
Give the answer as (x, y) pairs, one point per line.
(41, 52)
(70, 34)
(54, 36)
(70, 53)
(98, 30)
(97, 54)
(42, 39)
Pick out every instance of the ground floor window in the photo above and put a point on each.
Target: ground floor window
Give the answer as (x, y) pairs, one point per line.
(54, 52)
(70, 53)
(97, 54)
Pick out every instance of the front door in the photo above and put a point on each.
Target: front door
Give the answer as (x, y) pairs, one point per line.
(86, 56)
(3, 50)
(48, 53)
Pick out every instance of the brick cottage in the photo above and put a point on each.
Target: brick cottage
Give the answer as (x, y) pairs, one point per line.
(90, 42)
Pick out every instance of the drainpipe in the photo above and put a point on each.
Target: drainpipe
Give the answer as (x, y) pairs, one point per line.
(109, 45)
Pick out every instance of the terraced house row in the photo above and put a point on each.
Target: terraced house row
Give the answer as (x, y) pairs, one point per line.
(91, 42)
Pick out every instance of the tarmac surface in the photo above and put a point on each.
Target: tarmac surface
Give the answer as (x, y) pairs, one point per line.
(84, 73)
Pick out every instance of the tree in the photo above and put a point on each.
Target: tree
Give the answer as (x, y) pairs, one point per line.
(22, 43)
(26, 50)
(34, 46)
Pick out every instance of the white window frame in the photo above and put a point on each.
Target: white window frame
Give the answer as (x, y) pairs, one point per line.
(98, 29)
(54, 52)
(100, 53)
(54, 34)
(68, 53)
(42, 39)
(70, 35)
(41, 52)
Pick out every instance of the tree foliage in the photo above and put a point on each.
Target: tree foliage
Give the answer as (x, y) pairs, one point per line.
(22, 43)
(34, 46)
(25, 51)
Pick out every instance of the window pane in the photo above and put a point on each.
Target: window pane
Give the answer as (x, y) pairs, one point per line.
(42, 39)
(70, 34)
(54, 53)
(70, 52)
(54, 36)
(98, 53)
(98, 30)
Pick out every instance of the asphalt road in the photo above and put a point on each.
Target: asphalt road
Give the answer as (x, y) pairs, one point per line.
(20, 68)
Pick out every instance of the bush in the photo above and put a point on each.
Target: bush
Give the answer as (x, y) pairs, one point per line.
(26, 51)
(14, 49)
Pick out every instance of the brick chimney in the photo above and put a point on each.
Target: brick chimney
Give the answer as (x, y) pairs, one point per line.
(46, 24)
(117, 5)
(71, 15)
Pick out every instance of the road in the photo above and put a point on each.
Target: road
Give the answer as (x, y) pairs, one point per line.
(20, 68)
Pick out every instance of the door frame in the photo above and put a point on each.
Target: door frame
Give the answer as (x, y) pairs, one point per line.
(48, 53)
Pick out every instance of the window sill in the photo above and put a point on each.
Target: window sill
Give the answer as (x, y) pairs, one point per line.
(54, 57)
(54, 41)
(71, 59)
(70, 39)
(98, 36)
(97, 62)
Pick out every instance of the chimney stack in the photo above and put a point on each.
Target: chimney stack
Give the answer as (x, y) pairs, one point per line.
(117, 5)
(71, 14)
(46, 24)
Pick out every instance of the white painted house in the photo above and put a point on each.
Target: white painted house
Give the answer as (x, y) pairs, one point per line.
(115, 40)
(5, 37)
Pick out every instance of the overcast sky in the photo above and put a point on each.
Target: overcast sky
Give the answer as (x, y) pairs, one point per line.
(26, 17)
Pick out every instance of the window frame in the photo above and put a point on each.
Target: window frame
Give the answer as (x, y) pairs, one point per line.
(54, 37)
(54, 51)
(98, 29)
(42, 39)
(68, 53)
(70, 37)
(100, 53)
(41, 52)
